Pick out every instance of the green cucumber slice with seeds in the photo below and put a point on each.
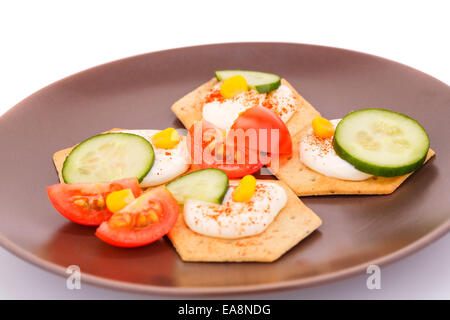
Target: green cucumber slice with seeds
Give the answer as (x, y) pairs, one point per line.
(209, 185)
(108, 157)
(381, 142)
(260, 81)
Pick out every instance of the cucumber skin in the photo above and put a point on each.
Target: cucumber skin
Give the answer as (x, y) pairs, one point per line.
(220, 198)
(101, 134)
(216, 74)
(374, 169)
(263, 88)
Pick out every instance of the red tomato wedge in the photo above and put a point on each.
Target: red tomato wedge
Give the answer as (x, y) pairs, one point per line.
(257, 118)
(84, 203)
(210, 148)
(145, 220)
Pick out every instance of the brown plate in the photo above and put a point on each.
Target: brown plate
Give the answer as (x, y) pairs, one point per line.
(137, 93)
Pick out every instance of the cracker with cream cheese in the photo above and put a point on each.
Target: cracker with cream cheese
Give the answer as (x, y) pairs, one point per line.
(292, 224)
(304, 181)
(189, 108)
(307, 182)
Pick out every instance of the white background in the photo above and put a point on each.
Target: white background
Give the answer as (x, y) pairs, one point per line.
(43, 41)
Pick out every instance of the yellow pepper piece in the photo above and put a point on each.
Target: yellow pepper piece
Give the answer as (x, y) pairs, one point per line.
(166, 139)
(117, 200)
(322, 127)
(245, 189)
(233, 86)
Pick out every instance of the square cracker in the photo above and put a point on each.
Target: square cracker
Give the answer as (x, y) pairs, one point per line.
(307, 182)
(293, 223)
(189, 108)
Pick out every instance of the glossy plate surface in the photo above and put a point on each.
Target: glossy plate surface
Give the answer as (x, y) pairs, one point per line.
(137, 92)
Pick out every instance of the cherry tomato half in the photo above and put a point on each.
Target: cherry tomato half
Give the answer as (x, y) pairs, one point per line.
(272, 126)
(85, 203)
(211, 148)
(147, 219)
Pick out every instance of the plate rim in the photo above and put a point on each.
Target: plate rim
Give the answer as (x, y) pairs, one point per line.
(405, 251)
(413, 247)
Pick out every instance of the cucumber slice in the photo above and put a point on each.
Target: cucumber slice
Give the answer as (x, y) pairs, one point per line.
(108, 157)
(381, 142)
(260, 81)
(209, 185)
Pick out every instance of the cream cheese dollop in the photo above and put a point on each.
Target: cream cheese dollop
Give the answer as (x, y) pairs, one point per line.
(168, 163)
(223, 112)
(233, 220)
(318, 154)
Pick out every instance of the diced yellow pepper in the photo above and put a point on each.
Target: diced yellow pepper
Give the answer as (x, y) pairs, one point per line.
(245, 189)
(233, 86)
(322, 127)
(166, 139)
(117, 200)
